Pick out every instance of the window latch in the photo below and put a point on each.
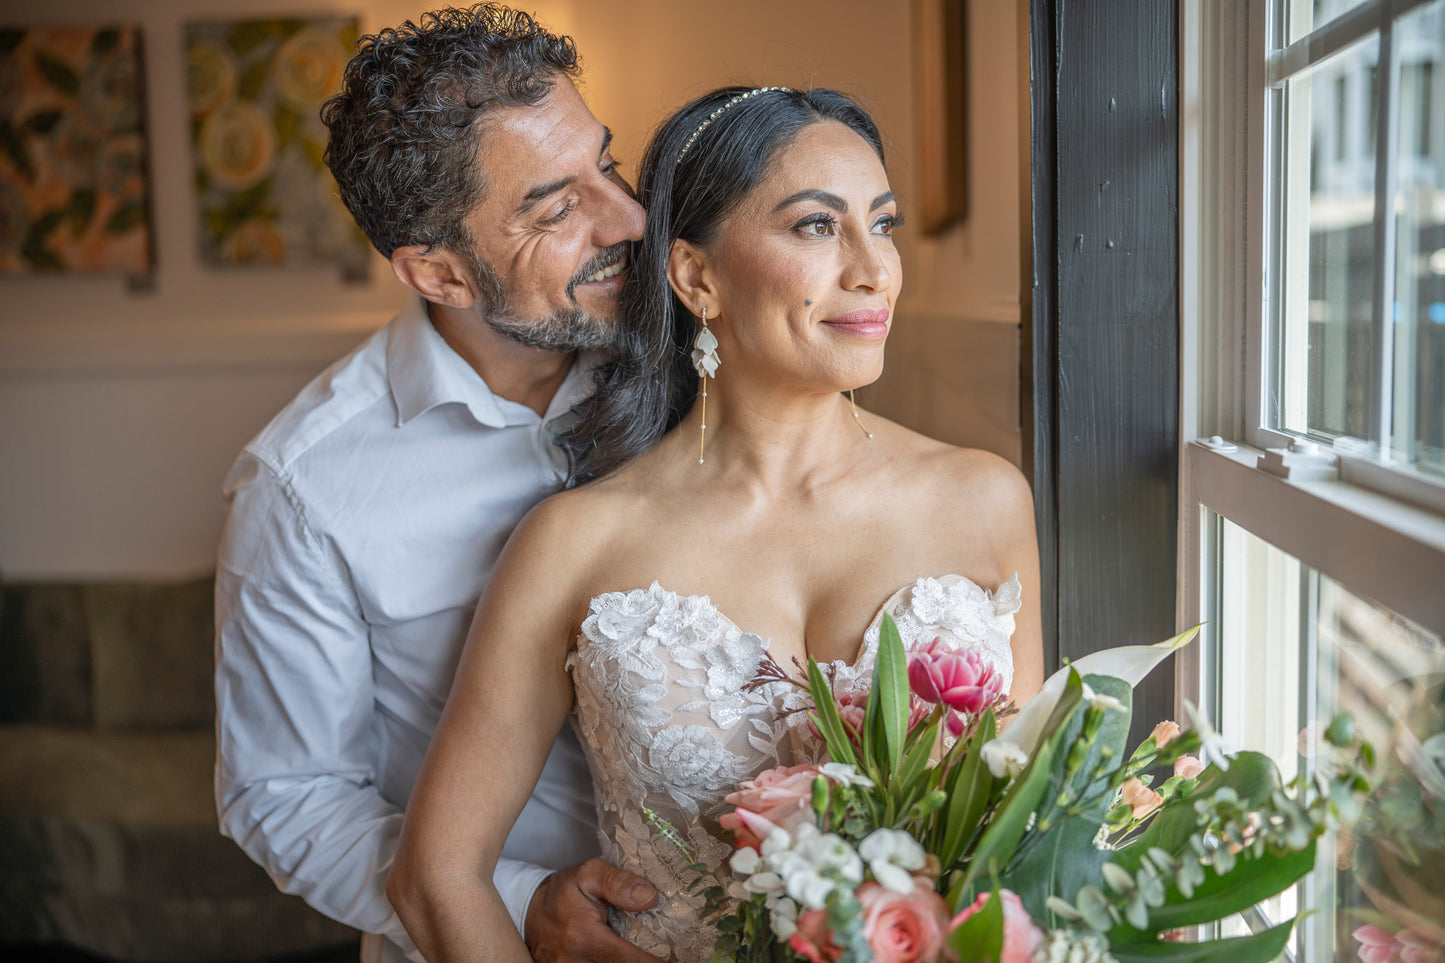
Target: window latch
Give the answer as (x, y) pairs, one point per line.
(1301, 461)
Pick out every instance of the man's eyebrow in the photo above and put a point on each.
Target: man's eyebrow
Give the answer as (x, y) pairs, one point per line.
(822, 197)
(536, 194)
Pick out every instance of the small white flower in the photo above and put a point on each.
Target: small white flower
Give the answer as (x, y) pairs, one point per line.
(1211, 747)
(764, 882)
(1003, 758)
(739, 892)
(892, 854)
(783, 916)
(780, 841)
(845, 775)
(810, 889)
(745, 861)
(1101, 702)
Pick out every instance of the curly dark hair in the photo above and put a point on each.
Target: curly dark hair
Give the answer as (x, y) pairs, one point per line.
(651, 384)
(404, 132)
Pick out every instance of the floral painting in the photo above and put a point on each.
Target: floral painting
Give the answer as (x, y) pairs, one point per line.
(72, 151)
(256, 87)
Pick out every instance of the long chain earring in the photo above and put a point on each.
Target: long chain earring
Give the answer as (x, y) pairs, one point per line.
(705, 360)
(856, 419)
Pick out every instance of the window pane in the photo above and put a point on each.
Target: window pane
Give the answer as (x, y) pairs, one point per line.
(1304, 16)
(1324, 339)
(1418, 409)
(1294, 648)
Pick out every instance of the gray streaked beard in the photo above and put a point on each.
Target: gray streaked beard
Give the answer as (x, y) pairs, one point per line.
(566, 329)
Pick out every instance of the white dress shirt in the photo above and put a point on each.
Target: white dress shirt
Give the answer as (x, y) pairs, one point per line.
(363, 523)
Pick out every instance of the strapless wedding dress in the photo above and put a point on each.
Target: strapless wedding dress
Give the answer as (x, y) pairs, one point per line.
(668, 723)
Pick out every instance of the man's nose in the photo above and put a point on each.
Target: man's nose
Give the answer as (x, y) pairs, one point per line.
(622, 219)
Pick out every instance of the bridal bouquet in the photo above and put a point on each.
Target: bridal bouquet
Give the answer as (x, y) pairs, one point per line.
(932, 835)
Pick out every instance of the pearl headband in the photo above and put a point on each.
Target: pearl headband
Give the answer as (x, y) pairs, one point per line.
(718, 113)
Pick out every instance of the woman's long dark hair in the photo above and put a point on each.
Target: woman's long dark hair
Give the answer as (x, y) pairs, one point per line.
(651, 384)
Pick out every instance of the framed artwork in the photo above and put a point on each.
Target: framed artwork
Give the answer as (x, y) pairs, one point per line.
(941, 83)
(255, 90)
(73, 184)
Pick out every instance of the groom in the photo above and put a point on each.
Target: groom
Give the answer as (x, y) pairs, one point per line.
(365, 518)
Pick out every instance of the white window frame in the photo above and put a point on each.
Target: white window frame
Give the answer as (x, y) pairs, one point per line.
(1376, 530)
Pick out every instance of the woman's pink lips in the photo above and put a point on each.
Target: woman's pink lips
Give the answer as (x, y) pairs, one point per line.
(867, 322)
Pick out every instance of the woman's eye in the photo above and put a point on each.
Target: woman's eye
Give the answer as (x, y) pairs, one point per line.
(887, 224)
(561, 215)
(609, 166)
(820, 225)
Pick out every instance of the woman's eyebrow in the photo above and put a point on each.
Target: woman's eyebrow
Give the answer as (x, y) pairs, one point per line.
(822, 197)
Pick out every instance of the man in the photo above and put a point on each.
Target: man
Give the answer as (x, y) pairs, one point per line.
(365, 518)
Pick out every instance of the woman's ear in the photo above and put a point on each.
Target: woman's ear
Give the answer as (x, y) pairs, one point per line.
(438, 275)
(691, 278)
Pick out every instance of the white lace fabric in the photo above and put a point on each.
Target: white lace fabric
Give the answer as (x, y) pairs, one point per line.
(668, 724)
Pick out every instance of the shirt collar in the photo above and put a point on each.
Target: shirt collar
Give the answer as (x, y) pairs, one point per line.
(424, 372)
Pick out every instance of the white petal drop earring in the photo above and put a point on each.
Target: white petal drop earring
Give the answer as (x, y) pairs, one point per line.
(856, 420)
(705, 360)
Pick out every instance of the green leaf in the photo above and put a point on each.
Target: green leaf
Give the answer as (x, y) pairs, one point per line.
(915, 761)
(127, 218)
(1250, 881)
(82, 207)
(42, 121)
(980, 937)
(970, 786)
(1060, 863)
(252, 82)
(825, 716)
(890, 691)
(1262, 947)
(104, 41)
(13, 146)
(1010, 822)
(58, 74)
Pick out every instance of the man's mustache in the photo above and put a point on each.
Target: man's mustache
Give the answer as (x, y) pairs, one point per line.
(611, 255)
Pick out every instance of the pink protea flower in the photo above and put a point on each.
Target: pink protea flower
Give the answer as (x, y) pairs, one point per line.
(778, 798)
(1020, 936)
(963, 681)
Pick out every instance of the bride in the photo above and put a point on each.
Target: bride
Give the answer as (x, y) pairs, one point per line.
(735, 502)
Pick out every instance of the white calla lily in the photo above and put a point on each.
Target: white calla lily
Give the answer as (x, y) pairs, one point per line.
(1131, 663)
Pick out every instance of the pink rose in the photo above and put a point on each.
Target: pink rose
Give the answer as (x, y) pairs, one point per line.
(813, 940)
(1164, 733)
(963, 681)
(1020, 936)
(1140, 799)
(779, 798)
(1187, 767)
(903, 928)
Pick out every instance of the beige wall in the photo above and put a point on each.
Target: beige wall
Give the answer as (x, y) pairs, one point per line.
(121, 409)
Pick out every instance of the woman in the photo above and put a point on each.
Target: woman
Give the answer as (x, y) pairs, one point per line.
(770, 509)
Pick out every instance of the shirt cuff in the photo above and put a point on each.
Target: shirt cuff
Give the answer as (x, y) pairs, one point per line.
(517, 882)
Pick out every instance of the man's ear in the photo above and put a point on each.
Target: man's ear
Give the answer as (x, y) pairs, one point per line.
(691, 278)
(438, 275)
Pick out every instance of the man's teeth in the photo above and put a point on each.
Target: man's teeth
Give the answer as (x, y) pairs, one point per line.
(611, 270)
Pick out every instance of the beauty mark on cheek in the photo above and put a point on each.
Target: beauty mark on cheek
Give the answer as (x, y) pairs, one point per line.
(808, 302)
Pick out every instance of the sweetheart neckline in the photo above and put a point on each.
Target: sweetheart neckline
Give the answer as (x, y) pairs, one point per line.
(863, 644)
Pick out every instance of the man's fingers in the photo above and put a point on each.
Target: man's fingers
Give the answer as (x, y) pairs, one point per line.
(611, 948)
(614, 885)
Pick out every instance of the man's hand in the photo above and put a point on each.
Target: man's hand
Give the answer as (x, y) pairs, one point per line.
(567, 918)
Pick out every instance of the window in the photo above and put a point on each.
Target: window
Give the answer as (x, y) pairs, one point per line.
(1312, 526)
